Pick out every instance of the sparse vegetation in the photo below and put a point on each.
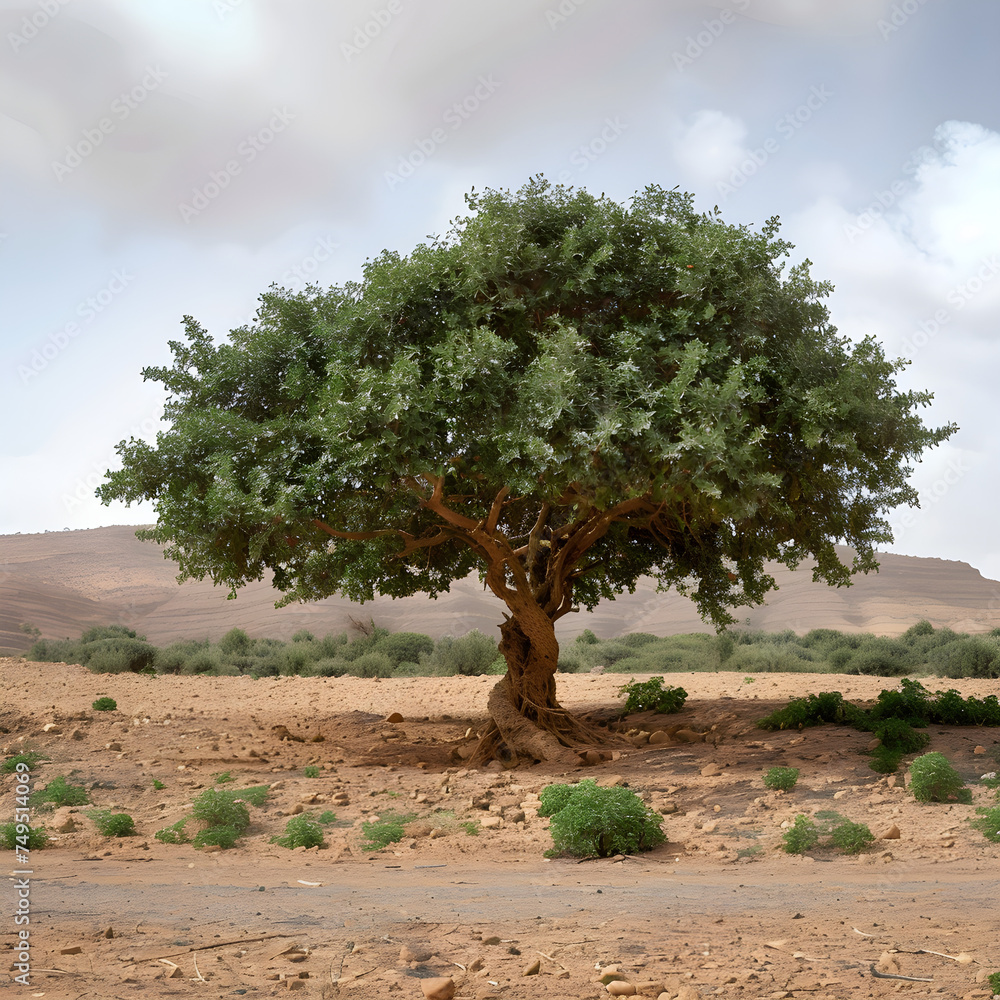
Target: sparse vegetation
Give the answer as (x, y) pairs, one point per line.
(58, 792)
(111, 824)
(21, 835)
(801, 836)
(225, 813)
(105, 704)
(311, 771)
(223, 777)
(852, 838)
(933, 779)
(589, 821)
(386, 829)
(158, 785)
(651, 696)
(173, 834)
(327, 817)
(301, 831)
(30, 758)
(781, 778)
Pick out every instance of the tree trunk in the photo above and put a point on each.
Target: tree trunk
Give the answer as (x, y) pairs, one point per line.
(527, 722)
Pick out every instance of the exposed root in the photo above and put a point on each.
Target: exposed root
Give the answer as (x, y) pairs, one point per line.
(538, 733)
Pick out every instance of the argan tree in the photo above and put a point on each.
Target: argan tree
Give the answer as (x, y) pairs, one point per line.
(563, 394)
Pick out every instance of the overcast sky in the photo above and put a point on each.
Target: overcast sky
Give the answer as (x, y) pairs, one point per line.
(164, 157)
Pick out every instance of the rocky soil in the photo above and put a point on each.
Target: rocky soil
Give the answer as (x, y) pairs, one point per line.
(466, 901)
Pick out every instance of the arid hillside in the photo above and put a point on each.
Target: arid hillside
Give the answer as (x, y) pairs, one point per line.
(63, 582)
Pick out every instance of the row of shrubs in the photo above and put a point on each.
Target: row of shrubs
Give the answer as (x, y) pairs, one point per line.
(376, 652)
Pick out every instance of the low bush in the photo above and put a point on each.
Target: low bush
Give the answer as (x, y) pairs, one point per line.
(651, 696)
(588, 821)
(225, 814)
(173, 834)
(111, 824)
(801, 836)
(781, 778)
(218, 836)
(311, 771)
(988, 823)
(301, 831)
(58, 792)
(17, 836)
(933, 779)
(852, 838)
(104, 704)
(384, 830)
(30, 758)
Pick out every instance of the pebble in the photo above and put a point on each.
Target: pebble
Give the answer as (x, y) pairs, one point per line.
(394, 718)
(532, 969)
(63, 821)
(620, 988)
(655, 739)
(438, 988)
(710, 770)
(892, 833)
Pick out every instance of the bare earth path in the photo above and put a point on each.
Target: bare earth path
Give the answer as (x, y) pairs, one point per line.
(717, 911)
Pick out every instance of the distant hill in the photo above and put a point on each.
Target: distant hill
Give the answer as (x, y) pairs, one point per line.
(62, 582)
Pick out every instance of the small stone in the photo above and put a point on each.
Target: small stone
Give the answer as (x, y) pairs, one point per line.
(873, 745)
(711, 771)
(491, 822)
(655, 739)
(63, 821)
(418, 828)
(113, 747)
(74, 949)
(408, 954)
(52, 728)
(689, 736)
(394, 718)
(437, 833)
(438, 988)
(891, 833)
(77, 734)
(514, 816)
(668, 807)
(532, 969)
(709, 827)
(690, 993)
(109, 933)
(592, 757)
(620, 988)
(976, 750)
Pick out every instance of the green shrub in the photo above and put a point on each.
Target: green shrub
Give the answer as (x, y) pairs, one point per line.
(104, 704)
(593, 821)
(783, 778)
(407, 647)
(384, 830)
(852, 838)
(651, 696)
(217, 836)
(470, 655)
(801, 836)
(59, 793)
(994, 982)
(372, 665)
(223, 777)
(829, 706)
(111, 824)
(885, 760)
(30, 758)
(988, 823)
(311, 771)
(471, 827)
(221, 807)
(173, 834)
(933, 779)
(118, 654)
(17, 836)
(328, 817)
(158, 785)
(301, 831)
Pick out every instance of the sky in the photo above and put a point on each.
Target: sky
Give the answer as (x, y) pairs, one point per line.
(172, 157)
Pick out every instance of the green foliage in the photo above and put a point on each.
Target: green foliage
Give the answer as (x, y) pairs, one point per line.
(311, 771)
(104, 704)
(933, 779)
(988, 823)
(783, 778)
(301, 831)
(587, 638)
(384, 830)
(223, 777)
(58, 792)
(885, 760)
(225, 813)
(470, 655)
(21, 835)
(478, 359)
(651, 696)
(30, 758)
(471, 827)
(801, 836)
(994, 982)
(589, 821)
(224, 836)
(852, 838)
(173, 834)
(111, 824)
(327, 817)
(810, 711)
(158, 785)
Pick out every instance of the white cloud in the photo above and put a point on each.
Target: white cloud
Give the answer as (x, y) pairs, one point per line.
(706, 149)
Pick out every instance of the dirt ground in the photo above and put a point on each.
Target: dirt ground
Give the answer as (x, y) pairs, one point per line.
(719, 910)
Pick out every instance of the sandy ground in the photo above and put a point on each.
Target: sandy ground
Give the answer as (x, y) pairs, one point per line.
(719, 910)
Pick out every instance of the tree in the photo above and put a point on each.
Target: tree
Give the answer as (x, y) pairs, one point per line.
(563, 393)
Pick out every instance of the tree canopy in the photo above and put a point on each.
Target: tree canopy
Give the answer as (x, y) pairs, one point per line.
(562, 392)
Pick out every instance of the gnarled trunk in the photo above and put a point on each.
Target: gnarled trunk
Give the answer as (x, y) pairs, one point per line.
(527, 722)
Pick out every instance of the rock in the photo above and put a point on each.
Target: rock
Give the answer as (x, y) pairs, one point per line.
(74, 949)
(63, 821)
(341, 799)
(891, 833)
(52, 728)
(77, 734)
(688, 736)
(418, 828)
(113, 747)
(620, 988)
(655, 739)
(394, 718)
(438, 988)
(976, 750)
(688, 993)
(514, 815)
(887, 963)
(532, 969)
(709, 827)
(711, 771)
(652, 988)
(491, 822)
(668, 807)
(437, 833)
(408, 954)
(592, 757)
(873, 745)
